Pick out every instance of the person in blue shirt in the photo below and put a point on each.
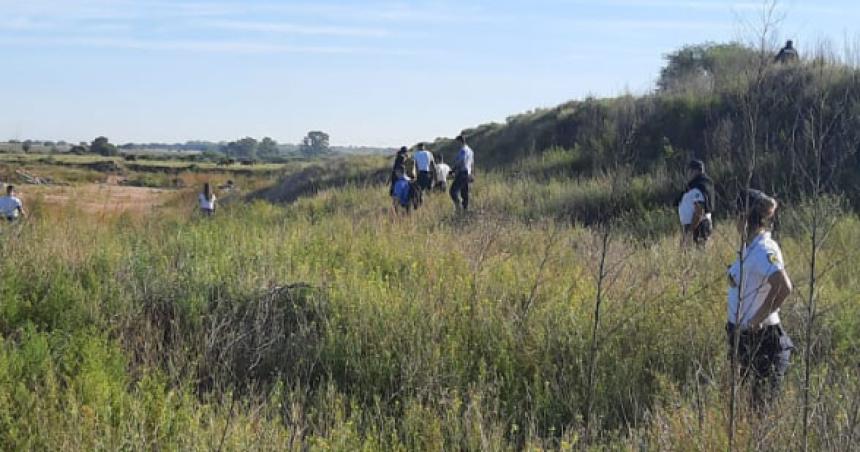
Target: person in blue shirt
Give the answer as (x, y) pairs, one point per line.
(463, 175)
(402, 192)
(399, 164)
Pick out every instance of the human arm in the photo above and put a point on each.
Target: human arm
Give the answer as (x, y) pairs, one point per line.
(780, 289)
(698, 216)
(20, 207)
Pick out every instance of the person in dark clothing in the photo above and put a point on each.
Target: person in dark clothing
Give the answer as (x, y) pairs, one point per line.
(399, 164)
(787, 54)
(696, 205)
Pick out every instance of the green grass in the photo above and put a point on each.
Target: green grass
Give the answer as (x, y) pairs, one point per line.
(425, 332)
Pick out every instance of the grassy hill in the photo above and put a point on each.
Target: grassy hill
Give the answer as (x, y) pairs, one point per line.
(748, 118)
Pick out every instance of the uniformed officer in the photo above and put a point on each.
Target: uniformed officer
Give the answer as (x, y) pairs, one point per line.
(758, 286)
(696, 205)
(426, 166)
(463, 175)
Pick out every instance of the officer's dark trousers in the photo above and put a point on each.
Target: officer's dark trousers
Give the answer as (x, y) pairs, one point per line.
(702, 233)
(460, 189)
(425, 181)
(763, 358)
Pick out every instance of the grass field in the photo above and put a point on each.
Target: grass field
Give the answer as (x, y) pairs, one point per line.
(165, 162)
(332, 324)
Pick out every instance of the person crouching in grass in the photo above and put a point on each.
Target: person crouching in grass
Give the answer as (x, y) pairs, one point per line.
(11, 207)
(405, 196)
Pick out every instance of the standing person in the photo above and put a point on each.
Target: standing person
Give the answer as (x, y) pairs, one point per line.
(403, 192)
(399, 164)
(426, 166)
(442, 171)
(207, 200)
(758, 286)
(696, 205)
(11, 207)
(787, 54)
(463, 174)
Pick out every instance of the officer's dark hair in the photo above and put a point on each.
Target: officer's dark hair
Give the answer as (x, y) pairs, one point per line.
(403, 149)
(461, 139)
(758, 208)
(420, 145)
(10, 189)
(789, 43)
(697, 165)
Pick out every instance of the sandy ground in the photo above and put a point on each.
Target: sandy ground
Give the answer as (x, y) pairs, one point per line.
(97, 198)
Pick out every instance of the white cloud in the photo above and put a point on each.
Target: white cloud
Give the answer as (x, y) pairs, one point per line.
(208, 46)
(290, 28)
(645, 24)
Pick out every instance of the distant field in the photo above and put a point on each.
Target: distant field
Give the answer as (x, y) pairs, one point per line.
(74, 159)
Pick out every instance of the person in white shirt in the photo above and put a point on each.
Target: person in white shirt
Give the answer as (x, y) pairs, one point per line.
(207, 200)
(11, 207)
(696, 205)
(426, 166)
(463, 175)
(758, 286)
(442, 172)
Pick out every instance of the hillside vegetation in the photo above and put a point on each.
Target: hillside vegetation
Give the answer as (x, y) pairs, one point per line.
(307, 316)
(726, 104)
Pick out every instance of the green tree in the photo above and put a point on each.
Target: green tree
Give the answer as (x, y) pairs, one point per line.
(315, 143)
(102, 146)
(268, 148)
(701, 66)
(246, 148)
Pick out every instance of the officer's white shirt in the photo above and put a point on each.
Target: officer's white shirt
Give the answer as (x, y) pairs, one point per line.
(465, 159)
(442, 171)
(423, 159)
(9, 206)
(207, 204)
(687, 206)
(762, 258)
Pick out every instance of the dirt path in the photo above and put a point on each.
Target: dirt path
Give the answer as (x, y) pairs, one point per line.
(98, 198)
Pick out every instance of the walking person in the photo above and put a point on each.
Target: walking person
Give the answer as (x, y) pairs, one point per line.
(207, 200)
(463, 175)
(399, 164)
(696, 206)
(11, 207)
(758, 286)
(442, 172)
(405, 196)
(426, 166)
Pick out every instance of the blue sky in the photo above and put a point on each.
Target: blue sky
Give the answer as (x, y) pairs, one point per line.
(380, 73)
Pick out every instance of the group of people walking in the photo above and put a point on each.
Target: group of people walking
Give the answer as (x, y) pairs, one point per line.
(428, 173)
(758, 283)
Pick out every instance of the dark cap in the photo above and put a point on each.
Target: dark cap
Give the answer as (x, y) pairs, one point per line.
(403, 149)
(696, 164)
